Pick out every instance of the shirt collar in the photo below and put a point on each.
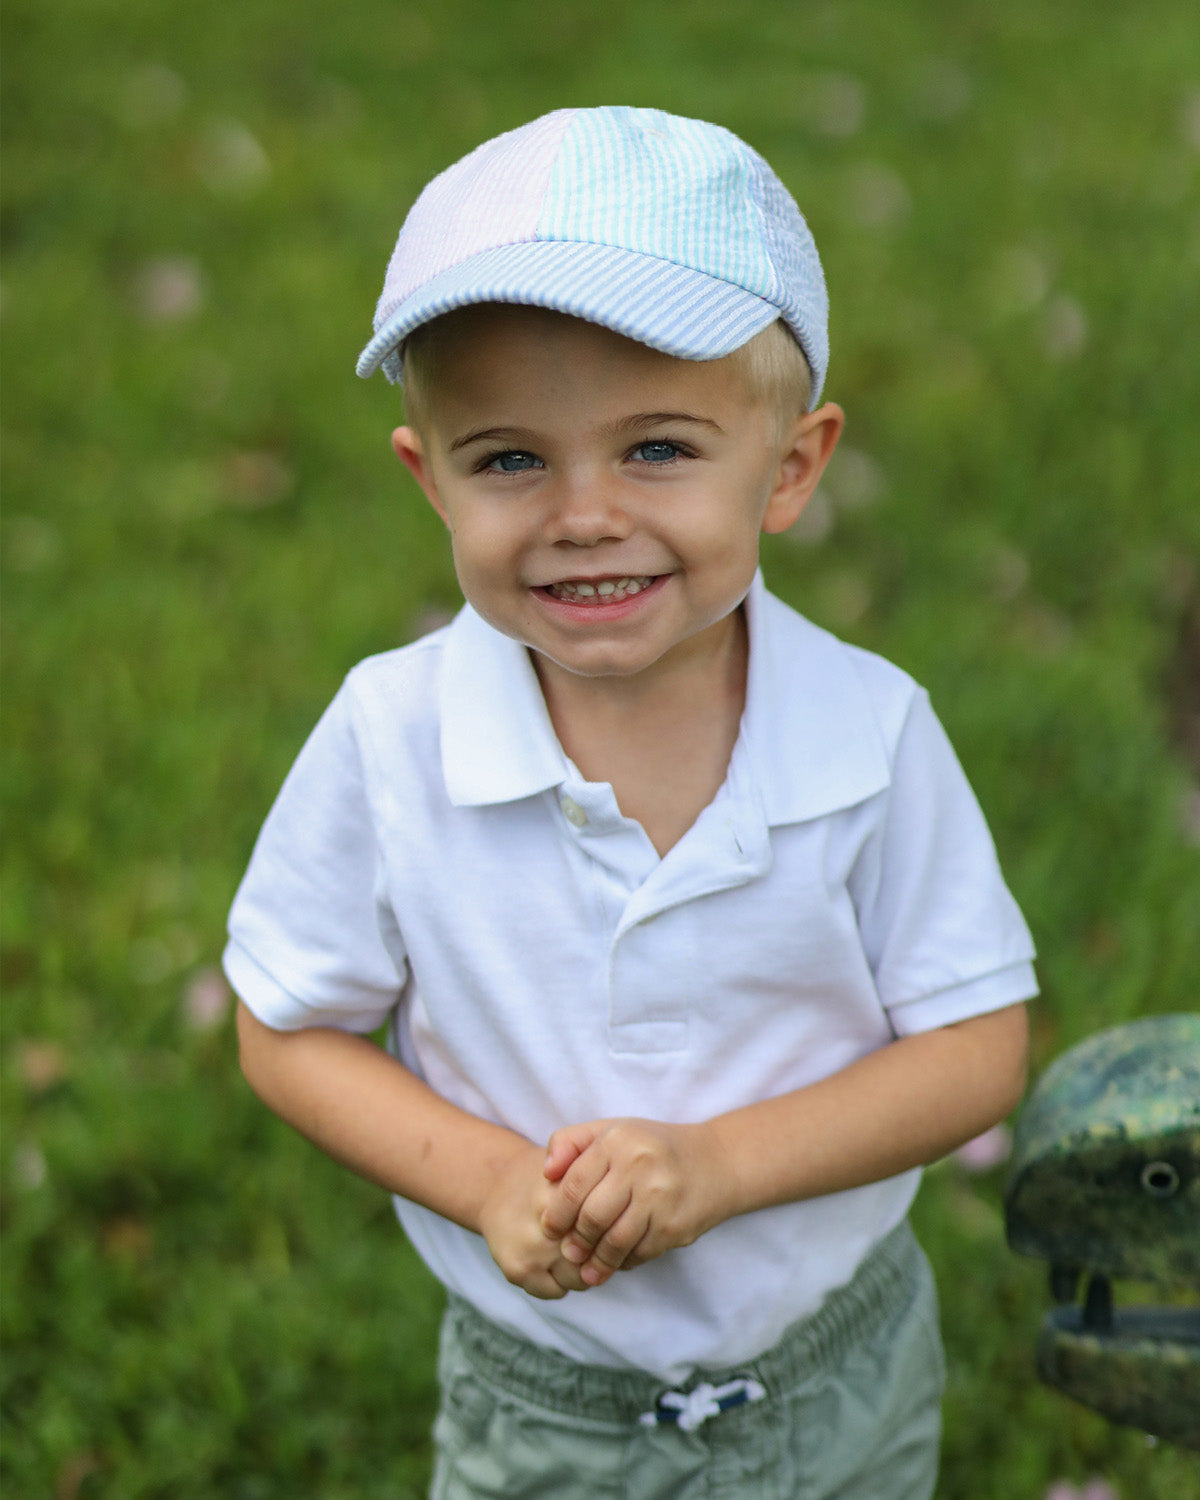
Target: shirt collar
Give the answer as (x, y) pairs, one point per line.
(498, 743)
(812, 737)
(812, 734)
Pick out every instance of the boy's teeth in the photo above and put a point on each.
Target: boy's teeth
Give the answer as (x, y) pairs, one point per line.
(608, 589)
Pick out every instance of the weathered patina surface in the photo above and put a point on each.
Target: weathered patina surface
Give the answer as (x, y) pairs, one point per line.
(1144, 1373)
(1106, 1183)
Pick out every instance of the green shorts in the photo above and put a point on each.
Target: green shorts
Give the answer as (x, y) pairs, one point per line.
(847, 1404)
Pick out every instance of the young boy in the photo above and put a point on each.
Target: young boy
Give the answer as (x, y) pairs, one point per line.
(687, 928)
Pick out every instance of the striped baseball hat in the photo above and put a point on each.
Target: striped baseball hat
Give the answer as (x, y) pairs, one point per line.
(670, 231)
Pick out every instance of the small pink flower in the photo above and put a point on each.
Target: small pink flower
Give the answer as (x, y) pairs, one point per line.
(1098, 1489)
(1094, 1489)
(43, 1064)
(986, 1151)
(206, 1000)
(169, 290)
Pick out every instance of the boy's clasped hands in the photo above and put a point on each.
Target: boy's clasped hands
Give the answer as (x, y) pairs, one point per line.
(603, 1196)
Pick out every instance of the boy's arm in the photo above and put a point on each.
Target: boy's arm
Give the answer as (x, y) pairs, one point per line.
(369, 1112)
(628, 1190)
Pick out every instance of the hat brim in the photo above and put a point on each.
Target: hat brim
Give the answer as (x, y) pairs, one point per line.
(669, 307)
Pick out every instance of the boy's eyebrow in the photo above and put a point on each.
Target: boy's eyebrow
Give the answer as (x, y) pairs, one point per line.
(654, 418)
(611, 429)
(487, 435)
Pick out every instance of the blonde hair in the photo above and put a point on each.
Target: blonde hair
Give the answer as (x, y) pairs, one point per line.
(772, 365)
(776, 372)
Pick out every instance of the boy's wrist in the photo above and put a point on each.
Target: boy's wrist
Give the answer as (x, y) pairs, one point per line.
(723, 1170)
(495, 1175)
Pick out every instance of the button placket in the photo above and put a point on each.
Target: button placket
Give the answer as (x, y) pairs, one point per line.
(649, 1001)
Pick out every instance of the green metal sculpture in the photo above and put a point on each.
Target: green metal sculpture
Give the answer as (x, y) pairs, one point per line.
(1106, 1183)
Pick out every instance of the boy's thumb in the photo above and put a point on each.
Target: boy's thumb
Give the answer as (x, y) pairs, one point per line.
(563, 1148)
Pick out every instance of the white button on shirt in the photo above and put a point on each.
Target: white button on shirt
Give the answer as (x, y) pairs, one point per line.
(542, 966)
(572, 811)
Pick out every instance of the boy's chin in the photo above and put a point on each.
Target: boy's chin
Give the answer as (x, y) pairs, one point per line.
(589, 669)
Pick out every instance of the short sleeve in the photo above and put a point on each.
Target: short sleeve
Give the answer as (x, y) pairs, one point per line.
(309, 945)
(941, 931)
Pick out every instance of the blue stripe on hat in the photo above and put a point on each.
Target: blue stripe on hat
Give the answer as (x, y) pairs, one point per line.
(667, 306)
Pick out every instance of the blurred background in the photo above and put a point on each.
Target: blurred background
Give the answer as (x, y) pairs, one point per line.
(204, 528)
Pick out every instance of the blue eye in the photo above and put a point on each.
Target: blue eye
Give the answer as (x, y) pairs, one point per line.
(513, 462)
(657, 453)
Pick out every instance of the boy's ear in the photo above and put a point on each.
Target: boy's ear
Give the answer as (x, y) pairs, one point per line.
(809, 447)
(410, 450)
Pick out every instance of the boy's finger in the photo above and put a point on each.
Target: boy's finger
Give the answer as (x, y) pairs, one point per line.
(626, 1233)
(601, 1209)
(564, 1147)
(544, 1287)
(568, 1277)
(570, 1193)
(644, 1250)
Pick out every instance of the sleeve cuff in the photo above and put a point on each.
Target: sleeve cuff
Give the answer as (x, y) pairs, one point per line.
(282, 1011)
(995, 991)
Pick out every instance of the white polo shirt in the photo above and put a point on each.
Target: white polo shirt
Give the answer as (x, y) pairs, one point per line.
(434, 859)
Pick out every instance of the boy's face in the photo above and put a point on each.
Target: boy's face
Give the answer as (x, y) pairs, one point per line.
(604, 500)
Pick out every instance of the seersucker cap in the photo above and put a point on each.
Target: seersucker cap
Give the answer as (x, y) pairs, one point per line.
(670, 231)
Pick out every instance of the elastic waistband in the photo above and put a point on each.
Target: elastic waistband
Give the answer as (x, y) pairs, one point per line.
(545, 1378)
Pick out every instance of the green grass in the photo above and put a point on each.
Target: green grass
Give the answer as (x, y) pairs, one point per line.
(204, 528)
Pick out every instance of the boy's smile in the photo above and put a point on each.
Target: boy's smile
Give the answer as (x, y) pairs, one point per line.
(604, 500)
(605, 591)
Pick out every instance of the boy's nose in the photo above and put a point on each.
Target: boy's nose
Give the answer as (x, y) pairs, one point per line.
(587, 511)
